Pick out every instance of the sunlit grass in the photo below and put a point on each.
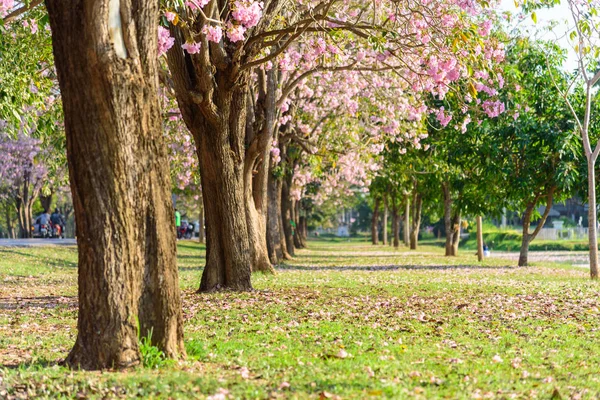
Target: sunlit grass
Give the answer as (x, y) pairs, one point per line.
(342, 319)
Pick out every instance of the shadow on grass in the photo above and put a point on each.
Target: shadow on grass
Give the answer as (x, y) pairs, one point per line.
(47, 302)
(390, 267)
(50, 261)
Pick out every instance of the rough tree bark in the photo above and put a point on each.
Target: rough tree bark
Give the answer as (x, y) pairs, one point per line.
(375, 222)
(528, 237)
(259, 137)
(275, 238)
(106, 58)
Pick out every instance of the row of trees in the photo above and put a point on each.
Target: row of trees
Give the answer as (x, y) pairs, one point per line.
(266, 90)
(525, 160)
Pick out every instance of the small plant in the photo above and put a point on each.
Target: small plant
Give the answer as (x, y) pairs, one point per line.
(152, 356)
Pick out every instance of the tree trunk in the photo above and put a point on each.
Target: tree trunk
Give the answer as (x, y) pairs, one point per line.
(407, 221)
(479, 238)
(456, 226)
(295, 212)
(385, 221)
(396, 227)
(300, 225)
(375, 222)
(105, 56)
(10, 229)
(287, 215)
(527, 237)
(259, 138)
(416, 220)
(216, 118)
(46, 202)
(448, 219)
(592, 217)
(274, 221)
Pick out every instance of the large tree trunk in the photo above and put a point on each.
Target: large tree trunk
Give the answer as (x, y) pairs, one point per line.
(105, 55)
(214, 110)
(274, 232)
(385, 221)
(592, 217)
(479, 238)
(375, 223)
(259, 138)
(416, 220)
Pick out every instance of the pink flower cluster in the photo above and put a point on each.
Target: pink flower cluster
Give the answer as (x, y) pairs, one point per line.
(165, 41)
(6, 6)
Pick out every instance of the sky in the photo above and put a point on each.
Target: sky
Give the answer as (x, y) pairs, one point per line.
(559, 14)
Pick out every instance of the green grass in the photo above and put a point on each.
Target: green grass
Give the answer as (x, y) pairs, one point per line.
(344, 318)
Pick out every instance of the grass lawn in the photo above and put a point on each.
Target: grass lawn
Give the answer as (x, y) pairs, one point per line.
(342, 320)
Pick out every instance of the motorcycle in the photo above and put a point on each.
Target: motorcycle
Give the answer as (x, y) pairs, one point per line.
(41, 231)
(57, 231)
(186, 231)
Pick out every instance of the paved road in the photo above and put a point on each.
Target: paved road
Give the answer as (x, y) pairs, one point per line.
(37, 242)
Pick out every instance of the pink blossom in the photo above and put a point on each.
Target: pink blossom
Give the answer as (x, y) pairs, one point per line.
(165, 41)
(213, 33)
(170, 16)
(6, 6)
(235, 33)
(191, 48)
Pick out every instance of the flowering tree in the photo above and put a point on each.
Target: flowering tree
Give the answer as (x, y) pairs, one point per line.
(21, 176)
(215, 45)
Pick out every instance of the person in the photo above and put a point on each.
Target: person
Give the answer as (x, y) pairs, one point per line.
(58, 219)
(486, 250)
(44, 218)
(177, 223)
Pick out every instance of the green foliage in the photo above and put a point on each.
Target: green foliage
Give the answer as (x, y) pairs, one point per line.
(152, 356)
